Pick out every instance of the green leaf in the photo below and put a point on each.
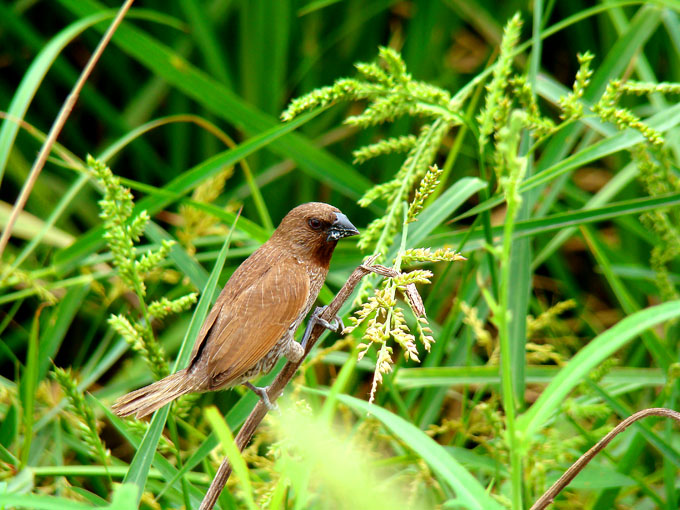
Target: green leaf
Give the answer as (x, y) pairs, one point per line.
(164, 469)
(657, 348)
(125, 497)
(595, 477)
(424, 377)
(563, 220)
(8, 432)
(176, 188)
(645, 427)
(49, 233)
(184, 262)
(28, 386)
(233, 454)
(440, 210)
(34, 76)
(196, 457)
(598, 350)
(222, 102)
(468, 490)
(34, 229)
(39, 502)
(60, 321)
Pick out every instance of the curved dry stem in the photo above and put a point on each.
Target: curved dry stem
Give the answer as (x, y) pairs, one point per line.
(581, 463)
(58, 124)
(284, 377)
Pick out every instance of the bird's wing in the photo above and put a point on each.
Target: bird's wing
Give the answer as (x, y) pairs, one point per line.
(208, 324)
(244, 277)
(248, 326)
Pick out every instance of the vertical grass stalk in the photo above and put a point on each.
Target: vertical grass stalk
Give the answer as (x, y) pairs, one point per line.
(508, 144)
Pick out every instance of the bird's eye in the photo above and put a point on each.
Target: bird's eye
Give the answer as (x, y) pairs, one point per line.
(314, 223)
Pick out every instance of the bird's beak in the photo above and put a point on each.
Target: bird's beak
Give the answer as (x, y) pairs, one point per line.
(340, 228)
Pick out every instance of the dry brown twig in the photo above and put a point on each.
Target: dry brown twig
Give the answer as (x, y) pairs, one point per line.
(58, 124)
(287, 372)
(581, 463)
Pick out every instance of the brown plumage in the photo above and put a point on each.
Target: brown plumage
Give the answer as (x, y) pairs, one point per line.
(253, 322)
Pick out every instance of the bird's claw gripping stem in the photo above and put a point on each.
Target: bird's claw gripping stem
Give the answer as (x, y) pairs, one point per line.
(261, 391)
(335, 324)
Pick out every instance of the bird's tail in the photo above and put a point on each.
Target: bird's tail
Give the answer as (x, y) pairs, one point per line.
(148, 399)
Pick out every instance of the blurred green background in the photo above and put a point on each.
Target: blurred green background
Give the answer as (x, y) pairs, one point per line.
(178, 81)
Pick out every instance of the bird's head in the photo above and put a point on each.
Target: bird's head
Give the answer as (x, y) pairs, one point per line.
(313, 230)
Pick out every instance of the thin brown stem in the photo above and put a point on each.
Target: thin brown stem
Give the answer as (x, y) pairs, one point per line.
(581, 463)
(58, 124)
(286, 374)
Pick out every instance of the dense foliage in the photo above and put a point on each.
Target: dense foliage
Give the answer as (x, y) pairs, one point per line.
(537, 139)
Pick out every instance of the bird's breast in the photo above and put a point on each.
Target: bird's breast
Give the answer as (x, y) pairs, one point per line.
(317, 276)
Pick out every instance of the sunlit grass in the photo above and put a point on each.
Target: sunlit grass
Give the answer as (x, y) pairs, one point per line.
(581, 299)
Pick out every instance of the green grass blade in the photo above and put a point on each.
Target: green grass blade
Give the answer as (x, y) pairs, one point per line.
(39, 502)
(440, 210)
(141, 463)
(124, 498)
(29, 384)
(206, 40)
(471, 493)
(32, 228)
(611, 189)
(222, 102)
(65, 201)
(203, 451)
(163, 468)
(184, 262)
(314, 5)
(61, 320)
(519, 287)
(669, 452)
(34, 77)
(661, 354)
(187, 181)
(233, 454)
(426, 377)
(559, 221)
(599, 349)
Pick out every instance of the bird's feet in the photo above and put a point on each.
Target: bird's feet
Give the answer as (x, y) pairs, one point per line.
(335, 324)
(262, 393)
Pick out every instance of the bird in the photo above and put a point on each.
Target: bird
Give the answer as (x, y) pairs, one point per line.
(254, 319)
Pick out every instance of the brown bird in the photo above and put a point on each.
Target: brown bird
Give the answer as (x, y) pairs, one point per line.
(254, 320)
